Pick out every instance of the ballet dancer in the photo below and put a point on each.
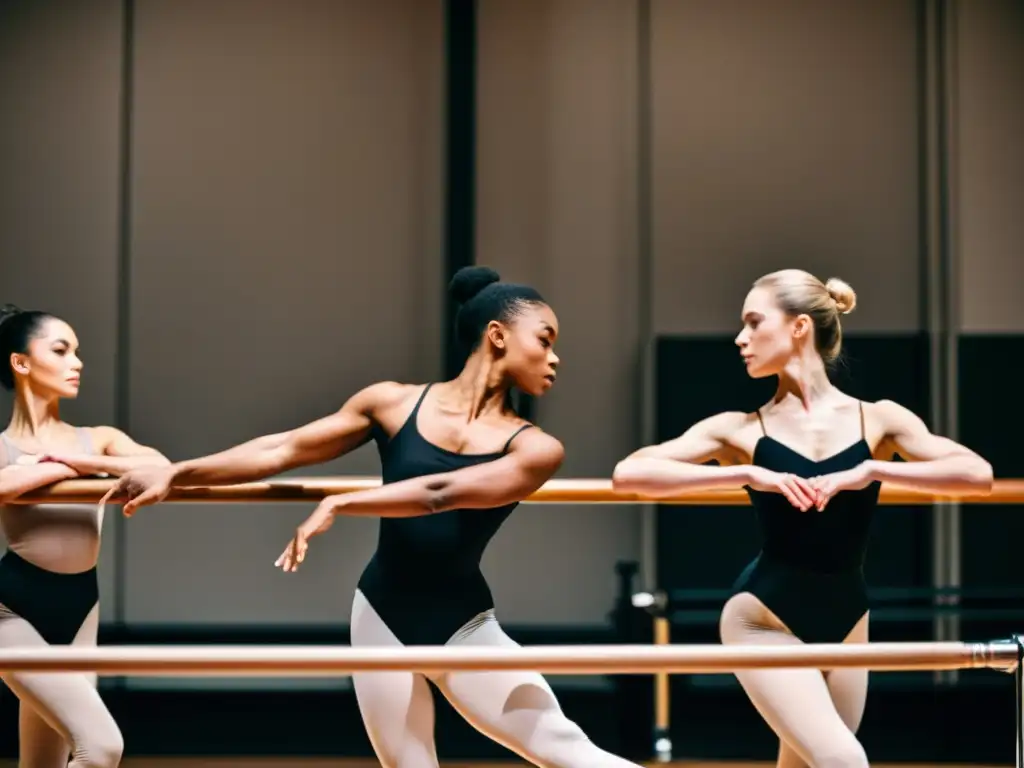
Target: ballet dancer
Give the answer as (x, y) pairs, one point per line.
(48, 585)
(812, 461)
(456, 460)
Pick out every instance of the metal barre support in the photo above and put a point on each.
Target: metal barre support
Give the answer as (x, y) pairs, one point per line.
(656, 604)
(1018, 695)
(662, 697)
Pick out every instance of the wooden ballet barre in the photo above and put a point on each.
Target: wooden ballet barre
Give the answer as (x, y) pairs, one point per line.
(321, 660)
(568, 491)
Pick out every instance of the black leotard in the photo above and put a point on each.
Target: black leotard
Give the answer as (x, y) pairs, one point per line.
(424, 580)
(810, 569)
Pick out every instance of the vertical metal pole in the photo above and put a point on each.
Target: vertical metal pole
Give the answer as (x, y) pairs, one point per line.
(951, 286)
(122, 380)
(662, 696)
(645, 342)
(931, 235)
(1019, 698)
(1018, 641)
(939, 280)
(1018, 683)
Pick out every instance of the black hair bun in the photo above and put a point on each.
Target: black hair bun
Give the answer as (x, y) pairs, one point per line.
(469, 281)
(7, 311)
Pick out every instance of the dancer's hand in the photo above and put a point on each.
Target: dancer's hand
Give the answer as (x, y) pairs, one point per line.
(827, 486)
(318, 522)
(797, 490)
(82, 463)
(141, 487)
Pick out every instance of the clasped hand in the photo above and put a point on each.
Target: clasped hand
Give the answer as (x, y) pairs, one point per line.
(82, 463)
(811, 492)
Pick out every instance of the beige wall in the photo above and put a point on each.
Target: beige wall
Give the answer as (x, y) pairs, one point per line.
(286, 235)
(989, 164)
(60, 78)
(784, 134)
(285, 207)
(557, 209)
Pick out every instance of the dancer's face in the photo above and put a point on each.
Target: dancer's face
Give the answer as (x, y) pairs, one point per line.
(769, 335)
(51, 365)
(526, 347)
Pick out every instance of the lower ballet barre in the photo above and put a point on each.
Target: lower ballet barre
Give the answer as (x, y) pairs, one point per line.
(234, 660)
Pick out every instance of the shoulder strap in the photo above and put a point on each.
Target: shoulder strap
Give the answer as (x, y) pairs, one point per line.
(514, 435)
(761, 422)
(863, 431)
(419, 402)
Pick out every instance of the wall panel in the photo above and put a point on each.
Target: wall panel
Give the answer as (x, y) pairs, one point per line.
(285, 252)
(60, 82)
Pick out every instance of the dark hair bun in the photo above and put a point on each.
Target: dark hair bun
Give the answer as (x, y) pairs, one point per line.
(7, 311)
(469, 281)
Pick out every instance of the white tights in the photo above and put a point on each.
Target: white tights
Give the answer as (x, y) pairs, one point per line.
(814, 714)
(60, 713)
(515, 709)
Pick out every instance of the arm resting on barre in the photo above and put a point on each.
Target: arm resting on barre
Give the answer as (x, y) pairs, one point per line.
(656, 477)
(678, 465)
(115, 454)
(934, 464)
(319, 441)
(19, 479)
(314, 443)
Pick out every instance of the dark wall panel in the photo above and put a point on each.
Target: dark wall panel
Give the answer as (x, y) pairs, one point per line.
(991, 422)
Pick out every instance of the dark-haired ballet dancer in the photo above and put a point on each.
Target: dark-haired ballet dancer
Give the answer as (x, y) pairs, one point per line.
(48, 585)
(812, 461)
(456, 460)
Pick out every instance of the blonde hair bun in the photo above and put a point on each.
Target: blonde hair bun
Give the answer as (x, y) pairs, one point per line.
(842, 294)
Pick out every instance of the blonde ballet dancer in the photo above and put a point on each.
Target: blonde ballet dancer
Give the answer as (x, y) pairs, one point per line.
(812, 461)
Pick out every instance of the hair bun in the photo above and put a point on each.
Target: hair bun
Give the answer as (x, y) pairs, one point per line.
(469, 281)
(842, 294)
(7, 311)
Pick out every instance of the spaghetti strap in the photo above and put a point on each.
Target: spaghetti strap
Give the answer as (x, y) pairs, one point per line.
(863, 431)
(514, 435)
(761, 422)
(423, 394)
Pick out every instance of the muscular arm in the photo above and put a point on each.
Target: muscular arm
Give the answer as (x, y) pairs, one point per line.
(313, 443)
(678, 465)
(531, 461)
(117, 453)
(933, 463)
(19, 479)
